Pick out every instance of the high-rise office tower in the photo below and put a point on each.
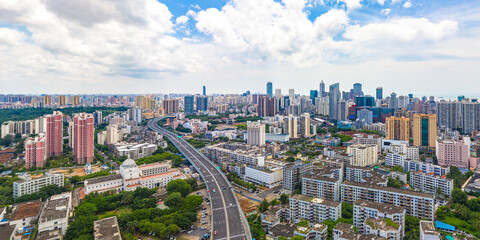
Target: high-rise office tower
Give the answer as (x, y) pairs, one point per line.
(365, 101)
(62, 100)
(145, 102)
(97, 116)
(291, 95)
(313, 95)
(321, 92)
(278, 93)
(424, 130)
(379, 93)
(333, 98)
(189, 104)
(357, 89)
(256, 134)
(134, 114)
(170, 106)
(204, 91)
(393, 100)
(270, 89)
(35, 152)
(54, 134)
(202, 103)
(267, 106)
(82, 137)
(397, 128)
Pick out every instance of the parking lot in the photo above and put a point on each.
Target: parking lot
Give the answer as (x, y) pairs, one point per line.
(203, 224)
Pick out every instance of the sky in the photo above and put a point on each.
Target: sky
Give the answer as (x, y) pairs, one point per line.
(427, 47)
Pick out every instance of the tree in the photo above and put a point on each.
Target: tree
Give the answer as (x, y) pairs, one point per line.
(303, 223)
(412, 227)
(174, 200)
(263, 205)
(284, 199)
(290, 159)
(179, 185)
(347, 210)
(75, 179)
(393, 183)
(192, 182)
(85, 209)
(459, 196)
(475, 220)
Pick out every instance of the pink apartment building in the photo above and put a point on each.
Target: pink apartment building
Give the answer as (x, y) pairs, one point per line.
(54, 134)
(35, 152)
(453, 153)
(82, 137)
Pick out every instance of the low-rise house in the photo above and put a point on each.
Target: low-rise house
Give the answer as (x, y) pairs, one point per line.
(25, 214)
(106, 229)
(53, 221)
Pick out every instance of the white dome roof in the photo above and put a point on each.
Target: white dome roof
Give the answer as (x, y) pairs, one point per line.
(129, 163)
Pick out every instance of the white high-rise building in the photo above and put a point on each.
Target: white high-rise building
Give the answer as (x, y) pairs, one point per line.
(305, 125)
(291, 124)
(363, 155)
(256, 134)
(291, 95)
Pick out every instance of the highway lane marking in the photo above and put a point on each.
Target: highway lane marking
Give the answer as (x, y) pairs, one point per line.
(239, 235)
(215, 209)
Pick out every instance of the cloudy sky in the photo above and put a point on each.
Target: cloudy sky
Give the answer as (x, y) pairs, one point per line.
(427, 47)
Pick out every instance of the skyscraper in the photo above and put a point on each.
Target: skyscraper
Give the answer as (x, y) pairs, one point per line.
(270, 89)
(397, 128)
(97, 116)
(188, 104)
(313, 95)
(424, 130)
(170, 106)
(278, 93)
(267, 106)
(379, 93)
(204, 91)
(357, 89)
(321, 92)
(256, 134)
(334, 97)
(75, 100)
(202, 103)
(54, 134)
(393, 100)
(291, 126)
(82, 137)
(62, 100)
(305, 125)
(291, 95)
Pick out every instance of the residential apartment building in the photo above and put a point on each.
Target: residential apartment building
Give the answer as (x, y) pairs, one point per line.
(35, 152)
(364, 210)
(424, 130)
(30, 185)
(314, 210)
(54, 134)
(134, 150)
(313, 231)
(106, 228)
(428, 231)
(293, 173)
(315, 184)
(256, 134)
(170, 106)
(263, 176)
(414, 166)
(453, 153)
(82, 138)
(394, 159)
(236, 153)
(397, 128)
(431, 183)
(417, 204)
(363, 155)
(53, 220)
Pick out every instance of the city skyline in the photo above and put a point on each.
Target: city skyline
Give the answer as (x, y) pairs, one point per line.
(147, 46)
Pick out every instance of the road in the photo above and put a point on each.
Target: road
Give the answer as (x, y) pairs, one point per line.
(228, 220)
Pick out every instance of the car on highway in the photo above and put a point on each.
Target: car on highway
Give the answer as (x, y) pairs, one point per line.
(215, 233)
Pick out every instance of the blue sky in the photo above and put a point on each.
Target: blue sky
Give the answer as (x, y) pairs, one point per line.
(147, 46)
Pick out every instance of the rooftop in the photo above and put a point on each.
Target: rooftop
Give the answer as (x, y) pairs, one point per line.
(347, 230)
(106, 229)
(6, 231)
(383, 224)
(103, 179)
(284, 230)
(26, 210)
(428, 228)
(325, 202)
(390, 189)
(55, 208)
